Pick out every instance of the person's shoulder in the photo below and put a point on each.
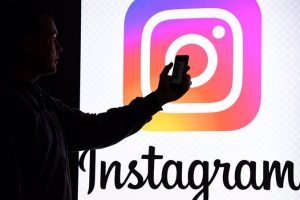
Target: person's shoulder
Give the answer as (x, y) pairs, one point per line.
(16, 95)
(10, 102)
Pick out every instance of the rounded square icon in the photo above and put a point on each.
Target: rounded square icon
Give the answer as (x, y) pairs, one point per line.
(223, 39)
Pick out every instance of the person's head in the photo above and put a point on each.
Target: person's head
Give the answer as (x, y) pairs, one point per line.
(30, 44)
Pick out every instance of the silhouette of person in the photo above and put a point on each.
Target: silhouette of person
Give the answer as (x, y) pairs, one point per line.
(37, 130)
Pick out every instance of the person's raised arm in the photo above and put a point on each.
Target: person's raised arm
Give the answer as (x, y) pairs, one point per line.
(89, 131)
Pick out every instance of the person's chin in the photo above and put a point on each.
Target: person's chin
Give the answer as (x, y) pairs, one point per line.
(54, 69)
(50, 70)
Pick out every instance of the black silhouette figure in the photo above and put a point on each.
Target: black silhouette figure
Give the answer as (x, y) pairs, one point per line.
(37, 130)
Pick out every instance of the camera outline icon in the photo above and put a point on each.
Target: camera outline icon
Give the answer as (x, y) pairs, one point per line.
(230, 36)
(192, 13)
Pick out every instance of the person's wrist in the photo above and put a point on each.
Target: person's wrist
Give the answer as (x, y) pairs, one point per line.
(161, 97)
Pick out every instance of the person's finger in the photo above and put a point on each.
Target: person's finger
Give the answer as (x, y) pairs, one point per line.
(166, 69)
(185, 87)
(187, 81)
(188, 68)
(187, 78)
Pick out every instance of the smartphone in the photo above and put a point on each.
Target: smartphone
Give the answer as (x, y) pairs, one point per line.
(179, 69)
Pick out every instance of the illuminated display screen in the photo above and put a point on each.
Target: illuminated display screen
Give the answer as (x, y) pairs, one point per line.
(243, 103)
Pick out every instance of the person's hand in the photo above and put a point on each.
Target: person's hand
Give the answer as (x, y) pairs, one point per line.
(165, 92)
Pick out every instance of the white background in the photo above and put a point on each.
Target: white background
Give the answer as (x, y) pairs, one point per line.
(273, 135)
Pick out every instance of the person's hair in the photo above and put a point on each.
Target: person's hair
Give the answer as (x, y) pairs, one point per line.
(19, 20)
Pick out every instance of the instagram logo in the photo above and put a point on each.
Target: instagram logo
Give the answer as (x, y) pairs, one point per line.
(223, 41)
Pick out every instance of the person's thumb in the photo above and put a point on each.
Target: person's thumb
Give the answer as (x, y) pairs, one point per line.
(166, 69)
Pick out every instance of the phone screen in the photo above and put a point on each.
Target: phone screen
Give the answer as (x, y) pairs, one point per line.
(180, 66)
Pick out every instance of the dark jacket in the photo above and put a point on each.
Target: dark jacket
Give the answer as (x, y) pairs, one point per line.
(37, 131)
